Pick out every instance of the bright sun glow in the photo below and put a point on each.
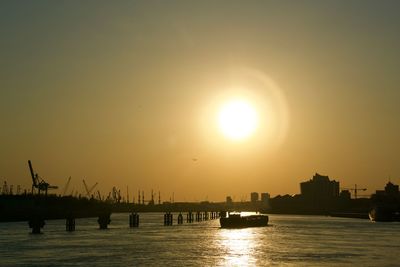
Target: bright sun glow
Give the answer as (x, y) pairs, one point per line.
(237, 119)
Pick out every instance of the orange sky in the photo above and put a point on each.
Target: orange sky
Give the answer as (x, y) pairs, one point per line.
(127, 94)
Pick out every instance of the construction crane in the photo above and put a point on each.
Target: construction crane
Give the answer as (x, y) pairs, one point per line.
(5, 188)
(89, 190)
(99, 195)
(127, 194)
(18, 189)
(151, 202)
(38, 182)
(355, 190)
(115, 195)
(66, 186)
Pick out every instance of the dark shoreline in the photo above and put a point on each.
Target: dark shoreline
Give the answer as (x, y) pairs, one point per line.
(24, 207)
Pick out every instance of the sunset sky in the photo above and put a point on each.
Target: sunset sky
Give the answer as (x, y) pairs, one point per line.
(128, 93)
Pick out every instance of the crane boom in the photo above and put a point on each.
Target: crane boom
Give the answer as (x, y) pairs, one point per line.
(86, 188)
(38, 182)
(89, 190)
(355, 189)
(66, 186)
(93, 187)
(32, 174)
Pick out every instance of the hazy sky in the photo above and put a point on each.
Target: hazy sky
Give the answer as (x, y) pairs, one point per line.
(127, 93)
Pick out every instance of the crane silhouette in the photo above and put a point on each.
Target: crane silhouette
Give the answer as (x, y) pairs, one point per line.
(355, 189)
(66, 186)
(89, 190)
(38, 182)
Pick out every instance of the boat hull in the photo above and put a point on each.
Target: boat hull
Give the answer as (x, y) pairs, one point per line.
(384, 214)
(243, 222)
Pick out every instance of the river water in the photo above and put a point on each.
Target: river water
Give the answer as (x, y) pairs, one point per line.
(289, 241)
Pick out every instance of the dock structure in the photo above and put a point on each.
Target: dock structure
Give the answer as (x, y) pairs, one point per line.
(180, 218)
(70, 224)
(133, 220)
(189, 217)
(104, 220)
(36, 218)
(37, 222)
(199, 217)
(168, 219)
(37, 209)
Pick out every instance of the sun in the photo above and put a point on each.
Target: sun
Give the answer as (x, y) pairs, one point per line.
(237, 119)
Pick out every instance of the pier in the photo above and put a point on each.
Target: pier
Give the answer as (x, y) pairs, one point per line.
(37, 223)
(37, 209)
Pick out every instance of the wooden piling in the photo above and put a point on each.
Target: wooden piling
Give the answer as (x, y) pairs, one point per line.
(168, 219)
(104, 220)
(133, 220)
(36, 223)
(189, 217)
(70, 224)
(180, 218)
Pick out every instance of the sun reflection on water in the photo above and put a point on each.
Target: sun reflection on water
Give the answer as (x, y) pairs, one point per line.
(239, 247)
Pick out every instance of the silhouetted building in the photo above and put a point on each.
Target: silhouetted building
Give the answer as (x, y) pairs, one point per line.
(265, 197)
(390, 190)
(388, 200)
(254, 197)
(229, 200)
(345, 194)
(320, 188)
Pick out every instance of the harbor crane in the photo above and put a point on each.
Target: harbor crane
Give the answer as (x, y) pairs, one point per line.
(89, 190)
(116, 195)
(355, 190)
(99, 195)
(66, 186)
(38, 182)
(5, 188)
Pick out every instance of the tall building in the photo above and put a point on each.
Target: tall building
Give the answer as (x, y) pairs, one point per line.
(390, 190)
(265, 197)
(254, 196)
(320, 188)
